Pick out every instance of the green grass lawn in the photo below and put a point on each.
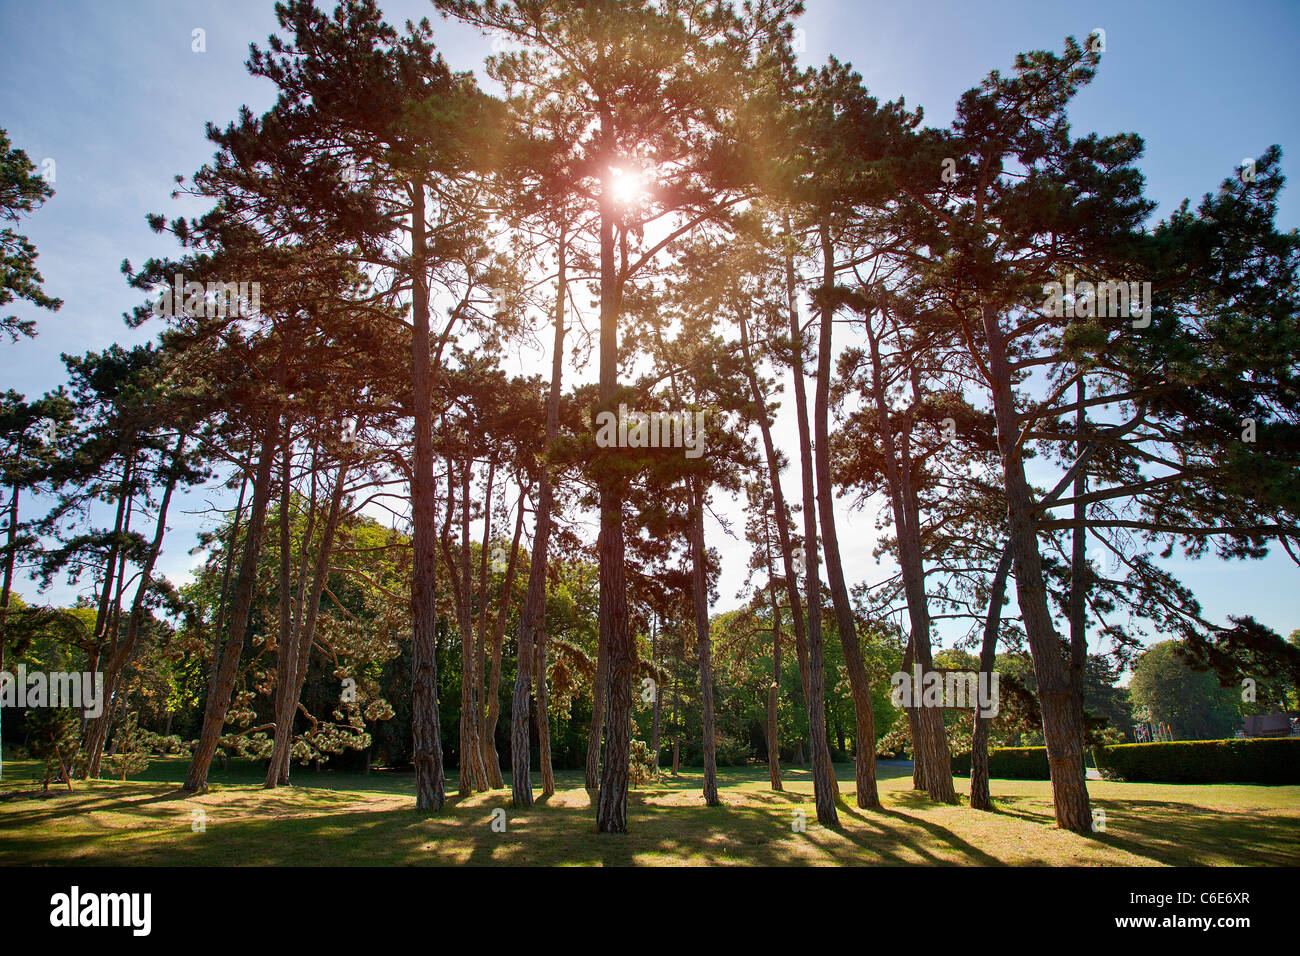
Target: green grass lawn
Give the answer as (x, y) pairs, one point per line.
(333, 818)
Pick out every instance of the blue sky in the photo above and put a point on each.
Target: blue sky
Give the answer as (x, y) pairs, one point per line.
(115, 95)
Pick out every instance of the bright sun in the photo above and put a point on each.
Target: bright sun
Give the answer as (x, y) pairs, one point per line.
(626, 186)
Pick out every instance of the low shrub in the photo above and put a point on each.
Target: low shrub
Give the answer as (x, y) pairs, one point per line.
(1252, 760)
(1008, 763)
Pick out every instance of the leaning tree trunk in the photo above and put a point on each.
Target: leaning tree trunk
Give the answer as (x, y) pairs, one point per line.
(278, 771)
(914, 725)
(486, 746)
(543, 718)
(783, 522)
(6, 586)
(933, 760)
(286, 658)
(700, 599)
(822, 786)
(103, 611)
(657, 706)
(980, 798)
(97, 731)
(430, 784)
(307, 632)
(1080, 575)
(677, 734)
(491, 757)
(218, 627)
(773, 690)
(1061, 730)
(241, 602)
(472, 775)
(859, 683)
(532, 622)
(779, 513)
(596, 726)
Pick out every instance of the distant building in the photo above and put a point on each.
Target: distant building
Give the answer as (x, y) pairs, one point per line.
(1268, 725)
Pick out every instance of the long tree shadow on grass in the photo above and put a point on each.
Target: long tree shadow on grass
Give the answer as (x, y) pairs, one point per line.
(945, 836)
(463, 835)
(1180, 834)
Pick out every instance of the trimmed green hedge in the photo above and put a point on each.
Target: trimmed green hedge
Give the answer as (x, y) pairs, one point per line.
(1008, 763)
(1255, 760)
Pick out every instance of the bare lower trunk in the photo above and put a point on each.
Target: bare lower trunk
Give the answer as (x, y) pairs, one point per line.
(214, 714)
(700, 600)
(103, 611)
(611, 814)
(657, 706)
(472, 775)
(933, 760)
(232, 544)
(6, 584)
(821, 768)
(773, 691)
(543, 718)
(783, 527)
(1061, 730)
(286, 664)
(980, 798)
(430, 785)
(676, 730)
(596, 726)
(532, 622)
(97, 729)
(490, 756)
(1079, 577)
(307, 632)
(859, 683)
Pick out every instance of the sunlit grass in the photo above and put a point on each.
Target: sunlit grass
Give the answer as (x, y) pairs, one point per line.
(352, 819)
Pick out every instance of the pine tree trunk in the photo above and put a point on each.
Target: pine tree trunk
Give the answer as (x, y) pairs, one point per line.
(280, 763)
(1061, 730)
(543, 718)
(232, 544)
(700, 600)
(97, 729)
(677, 734)
(657, 705)
(980, 798)
(430, 784)
(486, 745)
(286, 663)
(782, 519)
(473, 775)
(307, 632)
(1079, 578)
(596, 726)
(825, 795)
(6, 585)
(933, 760)
(774, 690)
(531, 634)
(611, 815)
(613, 626)
(490, 755)
(103, 610)
(214, 714)
(859, 683)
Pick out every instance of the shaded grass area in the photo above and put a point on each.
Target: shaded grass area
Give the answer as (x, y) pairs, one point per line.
(340, 819)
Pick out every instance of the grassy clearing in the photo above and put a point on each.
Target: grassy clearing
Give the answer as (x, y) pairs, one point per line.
(329, 819)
